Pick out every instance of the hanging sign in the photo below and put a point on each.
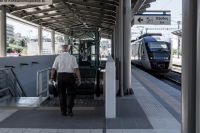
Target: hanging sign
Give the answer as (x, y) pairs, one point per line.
(152, 19)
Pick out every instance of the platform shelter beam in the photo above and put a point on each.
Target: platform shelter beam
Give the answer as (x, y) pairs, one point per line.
(2, 31)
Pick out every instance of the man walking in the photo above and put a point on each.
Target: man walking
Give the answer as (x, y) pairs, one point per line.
(66, 65)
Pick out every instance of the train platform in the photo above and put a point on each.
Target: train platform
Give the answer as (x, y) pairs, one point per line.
(177, 64)
(155, 107)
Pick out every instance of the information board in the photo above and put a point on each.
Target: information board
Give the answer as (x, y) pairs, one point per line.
(152, 19)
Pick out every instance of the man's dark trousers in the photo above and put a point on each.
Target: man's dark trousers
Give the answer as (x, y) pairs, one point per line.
(66, 84)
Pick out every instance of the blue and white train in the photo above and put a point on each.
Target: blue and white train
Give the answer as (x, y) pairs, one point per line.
(152, 52)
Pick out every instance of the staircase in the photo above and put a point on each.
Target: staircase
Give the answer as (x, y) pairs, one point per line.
(9, 84)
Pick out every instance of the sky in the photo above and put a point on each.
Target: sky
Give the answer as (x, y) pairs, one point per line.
(26, 30)
(174, 5)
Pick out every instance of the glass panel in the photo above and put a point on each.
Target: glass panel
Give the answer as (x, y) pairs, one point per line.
(21, 42)
(93, 49)
(158, 46)
(75, 49)
(93, 57)
(59, 40)
(47, 45)
(105, 48)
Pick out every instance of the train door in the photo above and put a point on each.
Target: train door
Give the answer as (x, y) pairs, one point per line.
(138, 44)
(140, 52)
(143, 54)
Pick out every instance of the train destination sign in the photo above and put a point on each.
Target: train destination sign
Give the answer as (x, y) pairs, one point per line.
(152, 19)
(26, 2)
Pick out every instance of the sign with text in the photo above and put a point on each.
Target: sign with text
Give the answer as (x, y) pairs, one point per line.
(26, 2)
(152, 19)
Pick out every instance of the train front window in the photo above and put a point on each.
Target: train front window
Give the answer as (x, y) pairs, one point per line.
(158, 46)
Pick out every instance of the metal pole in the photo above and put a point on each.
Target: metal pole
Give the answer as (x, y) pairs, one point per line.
(117, 36)
(117, 50)
(53, 41)
(97, 37)
(2, 31)
(127, 46)
(146, 30)
(198, 72)
(40, 41)
(179, 22)
(113, 44)
(121, 48)
(189, 66)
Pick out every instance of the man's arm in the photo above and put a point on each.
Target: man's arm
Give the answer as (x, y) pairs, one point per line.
(54, 68)
(53, 71)
(77, 72)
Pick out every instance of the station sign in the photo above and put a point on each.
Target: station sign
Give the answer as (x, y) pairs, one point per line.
(152, 19)
(26, 2)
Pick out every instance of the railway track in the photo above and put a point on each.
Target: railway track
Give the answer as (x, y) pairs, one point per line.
(174, 76)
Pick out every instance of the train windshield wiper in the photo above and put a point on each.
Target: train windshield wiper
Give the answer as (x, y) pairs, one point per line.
(162, 49)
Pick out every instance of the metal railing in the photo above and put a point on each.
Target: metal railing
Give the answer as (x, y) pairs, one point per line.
(9, 84)
(42, 83)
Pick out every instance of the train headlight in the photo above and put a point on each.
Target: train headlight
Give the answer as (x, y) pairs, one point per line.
(166, 58)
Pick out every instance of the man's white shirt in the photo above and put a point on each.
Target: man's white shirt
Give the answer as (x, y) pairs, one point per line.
(65, 63)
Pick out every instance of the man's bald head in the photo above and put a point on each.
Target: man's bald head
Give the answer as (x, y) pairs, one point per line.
(65, 48)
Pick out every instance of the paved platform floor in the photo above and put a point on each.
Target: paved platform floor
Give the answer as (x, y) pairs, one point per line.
(154, 108)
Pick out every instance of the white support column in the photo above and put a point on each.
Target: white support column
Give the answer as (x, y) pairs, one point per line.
(189, 53)
(40, 41)
(110, 89)
(121, 47)
(2, 31)
(53, 41)
(127, 47)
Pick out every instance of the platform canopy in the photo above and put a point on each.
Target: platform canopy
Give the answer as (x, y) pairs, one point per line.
(177, 33)
(76, 17)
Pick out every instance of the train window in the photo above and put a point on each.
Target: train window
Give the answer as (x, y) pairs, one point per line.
(157, 46)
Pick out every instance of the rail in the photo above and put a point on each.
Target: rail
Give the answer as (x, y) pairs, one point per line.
(176, 68)
(174, 77)
(9, 84)
(42, 84)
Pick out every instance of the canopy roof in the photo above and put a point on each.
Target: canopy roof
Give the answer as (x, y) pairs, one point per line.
(177, 33)
(75, 17)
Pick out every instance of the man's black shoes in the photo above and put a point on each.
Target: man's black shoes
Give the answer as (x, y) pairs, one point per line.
(64, 113)
(70, 114)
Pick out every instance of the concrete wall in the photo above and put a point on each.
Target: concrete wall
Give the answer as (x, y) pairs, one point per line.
(27, 74)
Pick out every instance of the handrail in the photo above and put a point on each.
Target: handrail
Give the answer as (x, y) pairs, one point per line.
(43, 70)
(15, 77)
(42, 80)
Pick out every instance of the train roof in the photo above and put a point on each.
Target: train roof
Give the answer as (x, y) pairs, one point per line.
(152, 37)
(156, 38)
